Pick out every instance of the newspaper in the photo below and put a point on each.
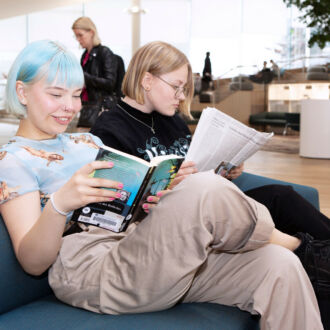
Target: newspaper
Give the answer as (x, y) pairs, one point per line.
(221, 142)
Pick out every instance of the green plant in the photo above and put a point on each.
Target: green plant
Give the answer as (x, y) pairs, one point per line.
(316, 14)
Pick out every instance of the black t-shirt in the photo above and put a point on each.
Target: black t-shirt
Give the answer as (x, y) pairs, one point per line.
(129, 130)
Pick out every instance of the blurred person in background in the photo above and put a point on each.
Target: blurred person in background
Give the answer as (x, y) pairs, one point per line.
(99, 64)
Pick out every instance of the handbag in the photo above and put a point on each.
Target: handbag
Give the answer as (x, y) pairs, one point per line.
(88, 115)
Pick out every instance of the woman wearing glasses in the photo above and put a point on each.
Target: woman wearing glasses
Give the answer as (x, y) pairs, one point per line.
(196, 245)
(145, 122)
(158, 84)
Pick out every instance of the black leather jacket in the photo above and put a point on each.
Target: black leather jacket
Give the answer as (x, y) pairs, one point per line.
(100, 73)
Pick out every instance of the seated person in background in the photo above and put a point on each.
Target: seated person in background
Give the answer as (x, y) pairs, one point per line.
(146, 124)
(264, 67)
(264, 76)
(275, 69)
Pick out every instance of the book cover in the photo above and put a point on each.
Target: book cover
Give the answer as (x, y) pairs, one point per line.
(140, 179)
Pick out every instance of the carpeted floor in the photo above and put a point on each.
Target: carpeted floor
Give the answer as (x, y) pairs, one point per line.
(285, 144)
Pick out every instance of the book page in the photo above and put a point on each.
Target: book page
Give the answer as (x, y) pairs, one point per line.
(159, 159)
(137, 159)
(221, 139)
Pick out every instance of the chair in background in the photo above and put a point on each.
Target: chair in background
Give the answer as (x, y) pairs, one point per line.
(241, 83)
(292, 121)
(317, 72)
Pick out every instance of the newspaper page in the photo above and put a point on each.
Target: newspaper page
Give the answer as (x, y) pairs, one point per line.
(222, 142)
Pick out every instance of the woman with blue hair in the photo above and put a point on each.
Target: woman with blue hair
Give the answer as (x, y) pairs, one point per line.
(196, 244)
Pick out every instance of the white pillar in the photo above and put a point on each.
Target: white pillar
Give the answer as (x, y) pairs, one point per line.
(315, 128)
(136, 12)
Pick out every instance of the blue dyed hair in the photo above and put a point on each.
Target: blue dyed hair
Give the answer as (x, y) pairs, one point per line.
(42, 59)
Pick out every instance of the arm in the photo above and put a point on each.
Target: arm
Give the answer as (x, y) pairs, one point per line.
(188, 167)
(37, 236)
(109, 72)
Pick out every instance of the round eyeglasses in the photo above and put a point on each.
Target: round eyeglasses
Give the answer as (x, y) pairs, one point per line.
(178, 90)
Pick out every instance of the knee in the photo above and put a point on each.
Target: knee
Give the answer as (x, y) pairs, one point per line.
(208, 182)
(283, 191)
(282, 264)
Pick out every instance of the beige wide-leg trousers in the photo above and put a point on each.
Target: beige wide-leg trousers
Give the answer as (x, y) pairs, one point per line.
(205, 242)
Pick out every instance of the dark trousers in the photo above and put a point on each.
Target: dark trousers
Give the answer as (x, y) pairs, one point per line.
(291, 212)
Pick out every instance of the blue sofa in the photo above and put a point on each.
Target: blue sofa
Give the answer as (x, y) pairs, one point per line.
(27, 302)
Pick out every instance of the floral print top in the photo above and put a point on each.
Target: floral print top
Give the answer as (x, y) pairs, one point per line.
(31, 165)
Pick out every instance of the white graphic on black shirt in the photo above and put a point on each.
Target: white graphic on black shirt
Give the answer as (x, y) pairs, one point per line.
(154, 148)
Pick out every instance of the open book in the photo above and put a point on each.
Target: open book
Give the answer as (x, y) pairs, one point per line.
(140, 179)
(221, 142)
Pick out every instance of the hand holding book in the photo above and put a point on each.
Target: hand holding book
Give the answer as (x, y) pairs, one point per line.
(140, 179)
(186, 168)
(82, 188)
(152, 201)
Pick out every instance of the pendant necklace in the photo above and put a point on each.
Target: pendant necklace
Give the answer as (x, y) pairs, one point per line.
(140, 121)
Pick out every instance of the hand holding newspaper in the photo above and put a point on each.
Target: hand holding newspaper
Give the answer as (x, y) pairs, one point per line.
(221, 142)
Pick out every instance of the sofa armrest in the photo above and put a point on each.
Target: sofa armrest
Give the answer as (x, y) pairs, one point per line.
(17, 287)
(248, 181)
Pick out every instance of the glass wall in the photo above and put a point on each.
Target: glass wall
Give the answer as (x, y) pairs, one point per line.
(167, 20)
(240, 34)
(12, 39)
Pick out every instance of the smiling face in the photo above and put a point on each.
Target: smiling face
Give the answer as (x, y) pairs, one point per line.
(164, 93)
(50, 108)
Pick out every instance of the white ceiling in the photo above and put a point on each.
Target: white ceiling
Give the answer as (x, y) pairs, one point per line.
(10, 8)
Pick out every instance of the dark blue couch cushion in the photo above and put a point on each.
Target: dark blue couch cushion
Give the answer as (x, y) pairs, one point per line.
(16, 287)
(248, 181)
(48, 313)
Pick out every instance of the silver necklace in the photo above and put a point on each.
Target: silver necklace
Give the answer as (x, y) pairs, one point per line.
(140, 121)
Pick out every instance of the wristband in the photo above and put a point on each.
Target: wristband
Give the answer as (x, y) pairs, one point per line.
(54, 206)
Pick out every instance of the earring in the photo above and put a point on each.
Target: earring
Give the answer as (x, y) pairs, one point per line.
(147, 89)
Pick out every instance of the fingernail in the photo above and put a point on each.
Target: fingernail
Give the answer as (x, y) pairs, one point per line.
(120, 186)
(150, 199)
(145, 206)
(110, 164)
(159, 194)
(111, 199)
(118, 195)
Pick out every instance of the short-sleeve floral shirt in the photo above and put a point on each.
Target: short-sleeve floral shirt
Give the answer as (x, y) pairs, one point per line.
(30, 165)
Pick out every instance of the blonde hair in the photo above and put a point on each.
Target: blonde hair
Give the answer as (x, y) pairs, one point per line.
(85, 23)
(157, 58)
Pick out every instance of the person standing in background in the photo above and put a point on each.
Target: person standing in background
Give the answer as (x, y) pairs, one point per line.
(207, 73)
(99, 64)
